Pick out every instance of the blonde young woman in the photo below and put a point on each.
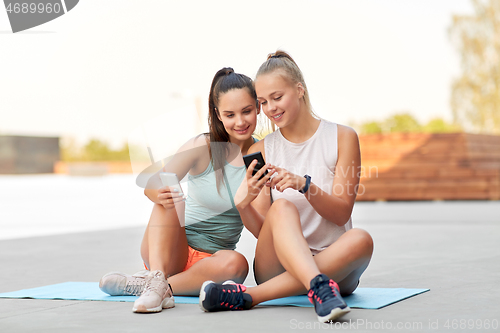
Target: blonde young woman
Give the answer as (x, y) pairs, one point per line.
(306, 242)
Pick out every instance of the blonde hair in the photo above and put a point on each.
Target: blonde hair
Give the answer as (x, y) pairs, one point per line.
(282, 61)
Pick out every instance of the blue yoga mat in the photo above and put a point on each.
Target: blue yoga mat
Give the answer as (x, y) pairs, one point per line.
(362, 298)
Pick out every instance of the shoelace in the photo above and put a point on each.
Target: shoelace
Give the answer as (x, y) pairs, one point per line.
(135, 286)
(231, 298)
(153, 284)
(323, 291)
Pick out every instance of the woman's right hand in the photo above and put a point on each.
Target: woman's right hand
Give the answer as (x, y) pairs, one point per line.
(251, 185)
(168, 197)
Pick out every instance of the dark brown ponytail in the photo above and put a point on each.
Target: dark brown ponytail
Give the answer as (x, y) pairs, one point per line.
(224, 80)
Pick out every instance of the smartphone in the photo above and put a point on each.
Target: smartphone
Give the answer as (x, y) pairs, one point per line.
(260, 162)
(170, 179)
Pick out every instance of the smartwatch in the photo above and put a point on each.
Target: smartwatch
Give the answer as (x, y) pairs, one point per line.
(308, 183)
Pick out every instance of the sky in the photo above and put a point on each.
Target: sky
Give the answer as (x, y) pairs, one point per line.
(118, 69)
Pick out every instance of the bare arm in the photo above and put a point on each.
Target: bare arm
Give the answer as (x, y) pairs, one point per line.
(335, 207)
(186, 158)
(253, 196)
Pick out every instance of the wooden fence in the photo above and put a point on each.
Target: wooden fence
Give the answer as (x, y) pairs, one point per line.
(420, 166)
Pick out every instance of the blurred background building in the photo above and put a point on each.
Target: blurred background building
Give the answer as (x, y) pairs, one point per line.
(28, 154)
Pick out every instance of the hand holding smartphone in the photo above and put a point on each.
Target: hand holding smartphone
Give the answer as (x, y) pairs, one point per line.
(260, 162)
(170, 179)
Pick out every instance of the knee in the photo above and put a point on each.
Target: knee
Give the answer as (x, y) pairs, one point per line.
(282, 206)
(234, 267)
(362, 242)
(282, 210)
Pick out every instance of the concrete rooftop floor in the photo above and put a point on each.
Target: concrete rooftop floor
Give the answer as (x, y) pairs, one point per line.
(450, 247)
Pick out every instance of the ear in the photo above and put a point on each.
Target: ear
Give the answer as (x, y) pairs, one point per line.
(258, 107)
(301, 89)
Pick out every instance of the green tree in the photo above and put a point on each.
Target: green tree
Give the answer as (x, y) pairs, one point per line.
(439, 125)
(371, 127)
(70, 151)
(403, 122)
(121, 154)
(94, 150)
(475, 99)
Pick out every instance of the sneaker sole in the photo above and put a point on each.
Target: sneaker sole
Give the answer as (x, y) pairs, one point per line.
(167, 303)
(334, 314)
(203, 294)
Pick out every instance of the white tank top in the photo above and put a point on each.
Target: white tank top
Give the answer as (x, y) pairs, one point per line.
(316, 157)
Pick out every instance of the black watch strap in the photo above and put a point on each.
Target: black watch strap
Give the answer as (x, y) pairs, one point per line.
(308, 183)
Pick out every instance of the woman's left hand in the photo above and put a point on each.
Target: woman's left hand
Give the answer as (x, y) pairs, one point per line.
(284, 179)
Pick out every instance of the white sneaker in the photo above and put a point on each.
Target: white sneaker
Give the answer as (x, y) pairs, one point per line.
(156, 295)
(120, 284)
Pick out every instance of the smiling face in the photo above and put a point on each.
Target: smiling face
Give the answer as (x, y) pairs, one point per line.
(237, 111)
(279, 98)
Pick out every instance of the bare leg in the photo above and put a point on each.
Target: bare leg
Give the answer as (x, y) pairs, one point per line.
(266, 262)
(284, 234)
(221, 266)
(164, 246)
(344, 261)
(288, 243)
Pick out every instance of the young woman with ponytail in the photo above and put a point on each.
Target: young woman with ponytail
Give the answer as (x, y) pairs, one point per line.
(203, 247)
(306, 242)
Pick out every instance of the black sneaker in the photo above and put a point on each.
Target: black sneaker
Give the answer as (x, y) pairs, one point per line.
(325, 296)
(226, 296)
